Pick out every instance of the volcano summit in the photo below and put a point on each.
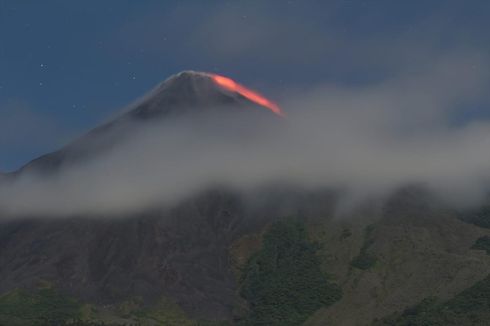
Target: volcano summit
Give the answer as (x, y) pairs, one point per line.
(183, 94)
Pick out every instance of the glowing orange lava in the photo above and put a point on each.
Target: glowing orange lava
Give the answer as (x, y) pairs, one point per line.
(231, 85)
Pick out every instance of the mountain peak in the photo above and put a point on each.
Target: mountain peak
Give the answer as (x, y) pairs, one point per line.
(188, 78)
(188, 74)
(186, 92)
(190, 90)
(178, 93)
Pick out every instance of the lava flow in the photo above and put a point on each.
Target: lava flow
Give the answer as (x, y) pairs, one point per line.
(231, 85)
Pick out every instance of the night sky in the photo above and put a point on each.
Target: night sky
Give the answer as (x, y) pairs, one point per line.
(66, 66)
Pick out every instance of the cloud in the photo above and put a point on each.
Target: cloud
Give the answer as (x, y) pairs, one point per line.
(367, 140)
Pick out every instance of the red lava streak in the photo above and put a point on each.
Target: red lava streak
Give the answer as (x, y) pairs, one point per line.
(231, 85)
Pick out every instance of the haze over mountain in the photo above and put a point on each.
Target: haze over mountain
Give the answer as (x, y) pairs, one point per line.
(323, 163)
(188, 134)
(173, 211)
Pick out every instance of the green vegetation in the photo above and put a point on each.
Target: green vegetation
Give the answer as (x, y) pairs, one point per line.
(165, 312)
(365, 260)
(470, 307)
(482, 243)
(283, 283)
(480, 217)
(89, 323)
(345, 233)
(213, 323)
(44, 306)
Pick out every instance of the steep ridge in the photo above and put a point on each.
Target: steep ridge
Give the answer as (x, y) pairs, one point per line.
(185, 93)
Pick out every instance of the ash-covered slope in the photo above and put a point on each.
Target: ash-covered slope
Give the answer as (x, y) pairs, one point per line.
(178, 253)
(188, 92)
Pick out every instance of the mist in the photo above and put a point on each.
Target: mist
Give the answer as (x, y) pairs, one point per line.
(367, 140)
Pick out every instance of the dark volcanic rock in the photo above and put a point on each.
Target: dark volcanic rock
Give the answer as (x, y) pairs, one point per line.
(181, 253)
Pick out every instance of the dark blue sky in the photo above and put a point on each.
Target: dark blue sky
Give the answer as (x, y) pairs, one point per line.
(65, 66)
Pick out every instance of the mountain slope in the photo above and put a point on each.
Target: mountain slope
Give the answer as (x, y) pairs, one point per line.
(207, 257)
(420, 249)
(179, 252)
(186, 93)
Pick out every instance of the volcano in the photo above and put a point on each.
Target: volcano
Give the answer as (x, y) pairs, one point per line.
(178, 253)
(199, 90)
(221, 258)
(186, 93)
(253, 96)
